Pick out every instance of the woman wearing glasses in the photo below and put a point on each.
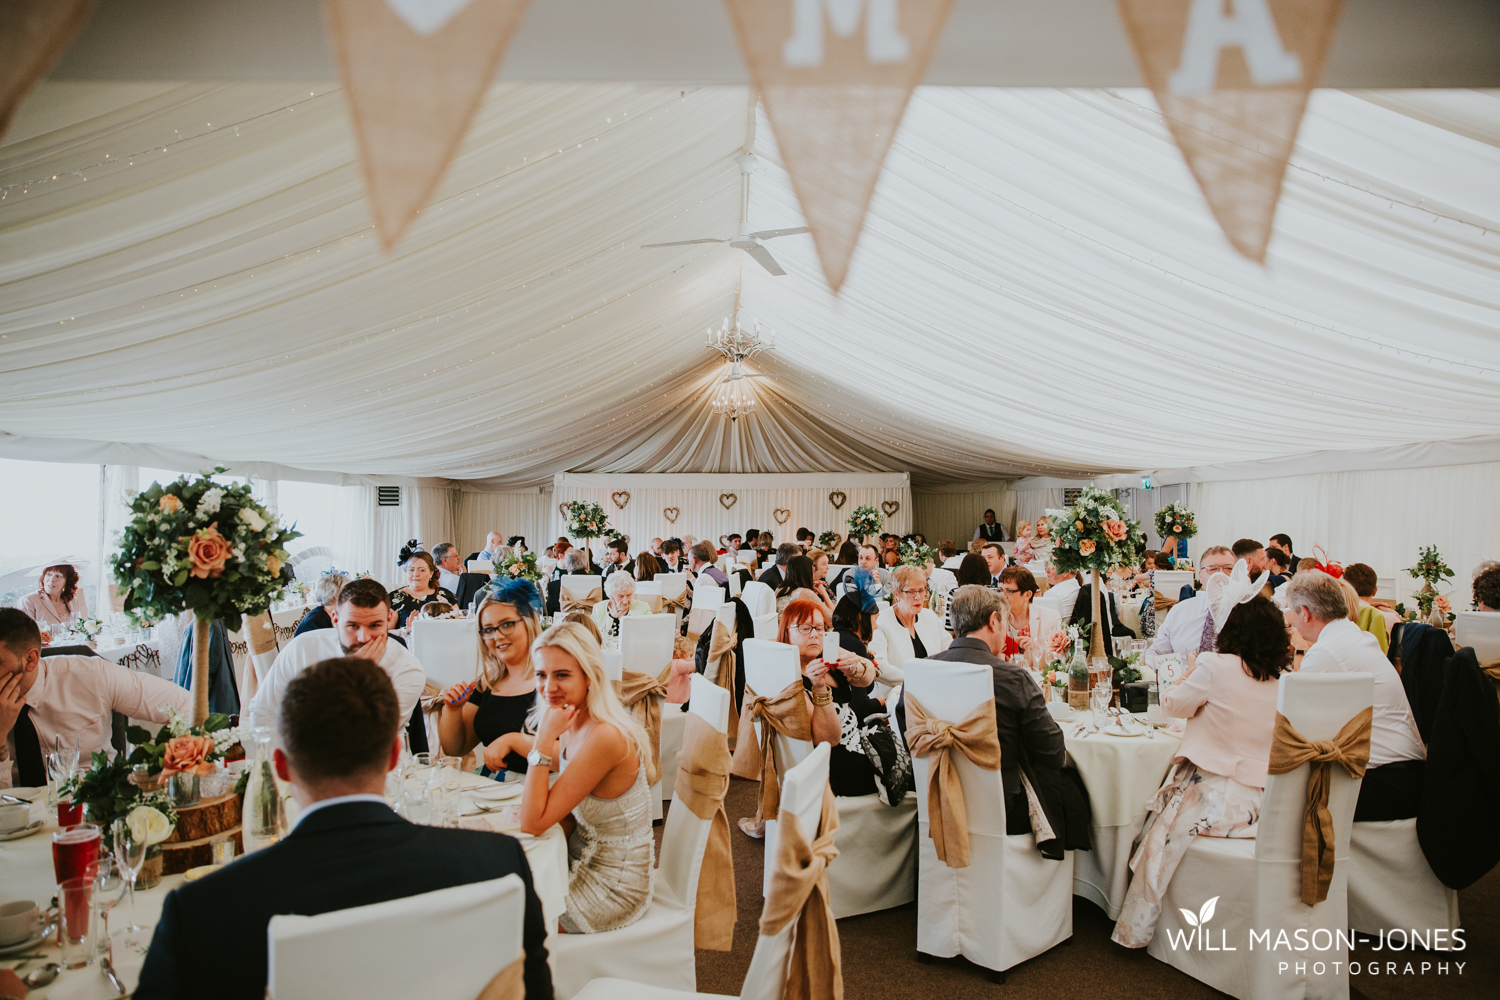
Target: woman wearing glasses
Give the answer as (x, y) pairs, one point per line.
(912, 630)
(495, 708)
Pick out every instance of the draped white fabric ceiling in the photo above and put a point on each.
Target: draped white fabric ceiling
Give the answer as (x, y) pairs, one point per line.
(1039, 289)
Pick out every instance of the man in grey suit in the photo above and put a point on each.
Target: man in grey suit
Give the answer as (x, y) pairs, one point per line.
(1027, 732)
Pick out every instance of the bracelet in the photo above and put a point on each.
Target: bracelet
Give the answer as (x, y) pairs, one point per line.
(821, 698)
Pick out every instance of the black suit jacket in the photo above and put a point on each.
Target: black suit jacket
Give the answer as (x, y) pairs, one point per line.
(772, 577)
(353, 854)
(1083, 611)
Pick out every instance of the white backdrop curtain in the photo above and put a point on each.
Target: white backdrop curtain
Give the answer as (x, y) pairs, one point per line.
(954, 511)
(1032, 504)
(1382, 519)
(757, 498)
(510, 514)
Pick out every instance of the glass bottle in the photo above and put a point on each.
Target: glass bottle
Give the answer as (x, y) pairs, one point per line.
(263, 820)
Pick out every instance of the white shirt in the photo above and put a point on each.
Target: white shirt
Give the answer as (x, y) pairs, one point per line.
(323, 644)
(955, 561)
(942, 582)
(1343, 647)
(76, 694)
(1064, 594)
(448, 581)
(1182, 630)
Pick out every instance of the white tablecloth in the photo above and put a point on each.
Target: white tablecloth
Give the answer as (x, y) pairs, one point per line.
(1122, 774)
(26, 872)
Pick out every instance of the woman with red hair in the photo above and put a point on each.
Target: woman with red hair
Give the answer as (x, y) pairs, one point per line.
(57, 600)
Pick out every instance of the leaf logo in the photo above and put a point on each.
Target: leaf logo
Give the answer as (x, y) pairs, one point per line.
(1203, 916)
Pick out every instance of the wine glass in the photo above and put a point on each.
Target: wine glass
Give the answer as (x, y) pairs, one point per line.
(66, 746)
(107, 895)
(130, 855)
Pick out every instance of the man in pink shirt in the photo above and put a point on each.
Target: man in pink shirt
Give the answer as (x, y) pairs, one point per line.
(41, 698)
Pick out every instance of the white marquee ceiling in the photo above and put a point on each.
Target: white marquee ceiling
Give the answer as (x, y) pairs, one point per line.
(1039, 289)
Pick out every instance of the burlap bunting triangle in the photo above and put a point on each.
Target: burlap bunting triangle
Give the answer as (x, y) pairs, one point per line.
(415, 71)
(1232, 80)
(835, 76)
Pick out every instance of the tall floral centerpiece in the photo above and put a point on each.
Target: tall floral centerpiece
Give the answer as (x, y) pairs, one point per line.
(1094, 535)
(1175, 521)
(587, 521)
(522, 567)
(829, 541)
(864, 522)
(914, 553)
(199, 546)
(1431, 570)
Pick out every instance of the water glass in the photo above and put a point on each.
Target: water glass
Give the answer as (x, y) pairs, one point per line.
(107, 893)
(1100, 697)
(1153, 704)
(75, 925)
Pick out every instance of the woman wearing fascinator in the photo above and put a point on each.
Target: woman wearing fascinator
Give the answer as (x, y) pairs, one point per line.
(421, 584)
(1214, 789)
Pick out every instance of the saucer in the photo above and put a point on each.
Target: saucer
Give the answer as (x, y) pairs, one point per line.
(24, 831)
(1122, 731)
(19, 946)
(496, 790)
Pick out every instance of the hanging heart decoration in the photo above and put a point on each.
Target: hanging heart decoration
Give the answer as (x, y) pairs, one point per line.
(782, 515)
(562, 509)
(723, 541)
(890, 507)
(671, 514)
(838, 499)
(621, 498)
(727, 500)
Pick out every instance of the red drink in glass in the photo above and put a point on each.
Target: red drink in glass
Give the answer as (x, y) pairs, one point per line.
(69, 813)
(75, 852)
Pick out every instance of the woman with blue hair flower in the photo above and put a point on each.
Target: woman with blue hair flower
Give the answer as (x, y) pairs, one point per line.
(498, 707)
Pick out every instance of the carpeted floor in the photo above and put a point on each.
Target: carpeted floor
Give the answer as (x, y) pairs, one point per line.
(879, 952)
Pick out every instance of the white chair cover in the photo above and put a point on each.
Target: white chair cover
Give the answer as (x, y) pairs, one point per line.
(646, 643)
(707, 596)
(1480, 629)
(759, 599)
(580, 585)
(1392, 885)
(878, 840)
(735, 584)
(367, 951)
(447, 648)
(1010, 903)
(835, 572)
(612, 667)
(657, 949)
(481, 566)
(745, 556)
(673, 721)
(1258, 882)
(1169, 582)
(673, 586)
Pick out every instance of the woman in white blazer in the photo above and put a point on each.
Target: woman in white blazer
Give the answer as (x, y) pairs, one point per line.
(1029, 626)
(912, 631)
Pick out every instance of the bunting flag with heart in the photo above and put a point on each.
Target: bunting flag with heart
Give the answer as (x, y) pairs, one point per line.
(835, 76)
(33, 36)
(415, 72)
(1232, 82)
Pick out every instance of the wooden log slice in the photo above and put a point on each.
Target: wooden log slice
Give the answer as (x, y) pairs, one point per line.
(178, 857)
(209, 818)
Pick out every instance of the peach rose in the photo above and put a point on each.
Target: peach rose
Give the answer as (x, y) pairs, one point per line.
(169, 504)
(188, 753)
(1115, 531)
(1058, 642)
(1086, 547)
(209, 551)
(1442, 604)
(273, 565)
(1177, 529)
(1078, 525)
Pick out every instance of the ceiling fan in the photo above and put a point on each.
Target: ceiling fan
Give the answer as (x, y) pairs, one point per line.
(745, 239)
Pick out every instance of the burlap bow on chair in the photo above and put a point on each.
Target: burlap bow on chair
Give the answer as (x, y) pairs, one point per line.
(1492, 671)
(979, 740)
(1350, 749)
(702, 781)
(722, 665)
(643, 694)
(567, 602)
(799, 885)
(509, 983)
(787, 714)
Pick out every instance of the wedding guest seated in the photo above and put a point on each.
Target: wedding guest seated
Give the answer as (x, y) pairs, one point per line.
(773, 575)
(646, 567)
(1029, 736)
(805, 539)
(572, 563)
(617, 558)
(912, 630)
(1022, 553)
(449, 565)
(672, 560)
(42, 698)
(58, 599)
(994, 558)
(1362, 578)
(702, 563)
(1109, 604)
(600, 798)
(1392, 787)
(1284, 543)
(1281, 566)
(848, 554)
(326, 593)
(619, 590)
(680, 685)
(1062, 590)
(1487, 590)
(362, 620)
(890, 558)
(1041, 541)
(492, 543)
(339, 725)
(656, 544)
(798, 576)
(973, 571)
(1215, 785)
(948, 555)
(733, 543)
(500, 700)
(421, 585)
(990, 531)
(1029, 627)
(1188, 627)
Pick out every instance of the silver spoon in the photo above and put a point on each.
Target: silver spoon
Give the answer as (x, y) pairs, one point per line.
(114, 980)
(41, 976)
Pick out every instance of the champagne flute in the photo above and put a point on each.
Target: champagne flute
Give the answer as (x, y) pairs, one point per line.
(67, 751)
(130, 856)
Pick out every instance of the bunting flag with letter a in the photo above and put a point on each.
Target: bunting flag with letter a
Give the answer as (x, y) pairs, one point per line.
(836, 76)
(415, 72)
(1232, 79)
(33, 36)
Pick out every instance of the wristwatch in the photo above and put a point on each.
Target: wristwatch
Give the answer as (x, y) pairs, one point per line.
(538, 759)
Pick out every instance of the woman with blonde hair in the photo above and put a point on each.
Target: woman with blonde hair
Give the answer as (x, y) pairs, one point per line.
(912, 630)
(495, 707)
(600, 798)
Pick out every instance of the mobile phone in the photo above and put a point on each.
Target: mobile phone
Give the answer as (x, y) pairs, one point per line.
(831, 648)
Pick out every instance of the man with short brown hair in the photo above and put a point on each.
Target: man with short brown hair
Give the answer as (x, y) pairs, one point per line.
(338, 726)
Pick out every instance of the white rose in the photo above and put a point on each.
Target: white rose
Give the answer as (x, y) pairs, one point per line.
(252, 517)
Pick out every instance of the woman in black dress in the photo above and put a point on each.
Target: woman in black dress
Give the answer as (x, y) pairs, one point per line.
(496, 707)
(421, 586)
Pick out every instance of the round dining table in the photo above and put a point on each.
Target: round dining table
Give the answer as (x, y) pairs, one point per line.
(26, 873)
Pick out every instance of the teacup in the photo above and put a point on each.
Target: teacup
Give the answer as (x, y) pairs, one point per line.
(14, 816)
(19, 921)
(1059, 710)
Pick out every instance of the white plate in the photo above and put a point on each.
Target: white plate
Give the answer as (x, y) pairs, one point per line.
(20, 946)
(24, 831)
(497, 791)
(1121, 731)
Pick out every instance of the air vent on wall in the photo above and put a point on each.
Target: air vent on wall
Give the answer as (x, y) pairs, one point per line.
(388, 496)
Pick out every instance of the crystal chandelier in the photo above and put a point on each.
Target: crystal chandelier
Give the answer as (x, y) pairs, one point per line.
(736, 343)
(729, 401)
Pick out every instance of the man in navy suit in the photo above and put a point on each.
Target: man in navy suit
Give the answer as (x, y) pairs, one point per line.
(339, 721)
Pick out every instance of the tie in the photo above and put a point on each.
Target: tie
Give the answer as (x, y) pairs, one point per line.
(29, 769)
(1208, 642)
